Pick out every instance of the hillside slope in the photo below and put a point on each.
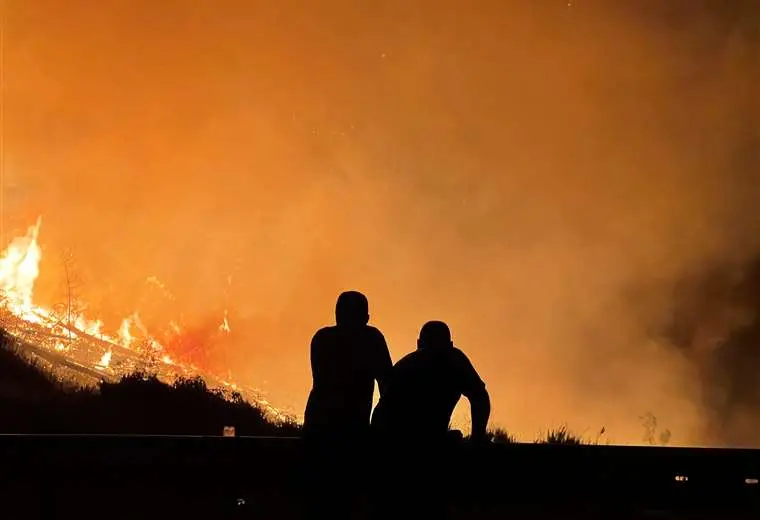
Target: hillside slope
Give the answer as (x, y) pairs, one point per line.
(36, 398)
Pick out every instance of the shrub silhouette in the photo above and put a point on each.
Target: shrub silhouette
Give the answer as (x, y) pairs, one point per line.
(22, 377)
(563, 435)
(500, 436)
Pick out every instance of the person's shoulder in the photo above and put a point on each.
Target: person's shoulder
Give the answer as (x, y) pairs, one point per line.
(324, 332)
(371, 336)
(410, 359)
(374, 332)
(328, 329)
(465, 368)
(376, 340)
(457, 353)
(459, 357)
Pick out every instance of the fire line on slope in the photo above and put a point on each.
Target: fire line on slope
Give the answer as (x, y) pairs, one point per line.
(79, 343)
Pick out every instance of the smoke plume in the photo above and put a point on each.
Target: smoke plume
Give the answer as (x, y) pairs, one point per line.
(553, 179)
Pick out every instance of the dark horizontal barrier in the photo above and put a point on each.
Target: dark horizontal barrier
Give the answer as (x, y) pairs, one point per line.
(217, 477)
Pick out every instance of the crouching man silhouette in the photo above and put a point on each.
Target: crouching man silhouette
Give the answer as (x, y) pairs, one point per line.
(424, 387)
(412, 420)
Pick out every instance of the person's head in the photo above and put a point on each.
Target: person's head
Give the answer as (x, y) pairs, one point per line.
(435, 335)
(352, 308)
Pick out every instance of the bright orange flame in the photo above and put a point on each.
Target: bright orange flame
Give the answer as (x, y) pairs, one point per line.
(105, 361)
(124, 335)
(19, 269)
(225, 326)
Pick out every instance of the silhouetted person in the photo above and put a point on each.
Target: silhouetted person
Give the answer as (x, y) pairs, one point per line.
(346, 360)
(412, 419)
(424, 387)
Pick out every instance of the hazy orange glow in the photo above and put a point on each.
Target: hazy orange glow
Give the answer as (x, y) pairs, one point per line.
(519, 169)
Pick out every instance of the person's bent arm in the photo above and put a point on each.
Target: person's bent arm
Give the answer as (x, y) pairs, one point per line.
(315, 355)
(480, 409)
(383, 365)
(474, 389)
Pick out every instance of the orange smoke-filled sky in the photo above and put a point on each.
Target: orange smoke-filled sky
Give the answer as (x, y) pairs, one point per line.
(513, 168)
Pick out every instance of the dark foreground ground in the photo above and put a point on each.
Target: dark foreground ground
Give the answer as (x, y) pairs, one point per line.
(135, 477)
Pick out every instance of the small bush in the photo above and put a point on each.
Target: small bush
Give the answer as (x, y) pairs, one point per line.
(561, 435)
(500, 436)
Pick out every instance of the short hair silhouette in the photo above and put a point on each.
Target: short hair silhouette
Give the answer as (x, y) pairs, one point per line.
(435, 334)
(352, 308)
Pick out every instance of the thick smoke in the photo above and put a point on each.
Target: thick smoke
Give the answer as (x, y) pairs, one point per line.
(541, 175)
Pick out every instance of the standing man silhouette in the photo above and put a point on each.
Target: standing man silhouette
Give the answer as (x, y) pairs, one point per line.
(346, 360)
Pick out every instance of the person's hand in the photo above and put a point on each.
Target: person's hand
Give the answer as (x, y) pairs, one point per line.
(455, 436)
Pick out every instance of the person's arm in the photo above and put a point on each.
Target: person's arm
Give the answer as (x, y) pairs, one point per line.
(480, 410)
(384, 363)
(474, 389)
(315, 356)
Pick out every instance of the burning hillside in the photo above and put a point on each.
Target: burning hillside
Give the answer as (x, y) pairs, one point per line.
(85, 349)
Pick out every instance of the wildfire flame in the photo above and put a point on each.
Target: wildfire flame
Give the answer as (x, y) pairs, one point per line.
(124, 335)
(80, 342)
(225, 326)
(19, 269)
(105, 361)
